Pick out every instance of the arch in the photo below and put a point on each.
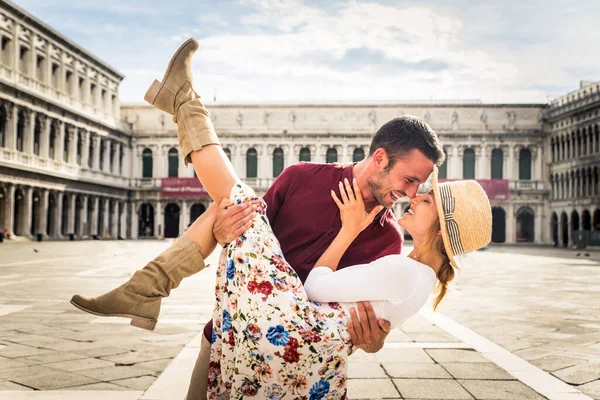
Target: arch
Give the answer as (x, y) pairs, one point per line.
(251, 163)
(2, 127)
(497, 164)
(525, 225)
(64, 222)
(469, 164)
(37, 131)
(146, 220)
(574, 221)
(304, 154)
(51, 215)
(172, 214)
(196, 210)
(443, 169)
(146, 163)
(554, 228)
(498, 225)
(358, 154)
(18, 212)
(20, 131)
(277, 162)
(36, 212)
(564, 229)
(173, 158)
(331, 156)
(524, 164)
(596, 220)
(586, 220)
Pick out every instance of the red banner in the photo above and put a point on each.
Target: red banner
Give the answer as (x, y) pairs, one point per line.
(496, 189)
(182, 188)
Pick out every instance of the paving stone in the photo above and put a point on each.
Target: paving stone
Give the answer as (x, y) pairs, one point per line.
(554, 363)
(500, 390)
(452, 355)
(80, 365)
(53, 380)
(139, 383)
(141, 356)
(97, 386)
(591, 389)
(94, 352)
(365, 370)
(579, 374)
(18, 350)
(361, 356)
(107, 374)
(10, 374)
(371, 389)
(431, 389)
(6, 385)
(54, 357)
(10, 363)
(160, 365)
(403, 355)
(416, 370)
(477, 371)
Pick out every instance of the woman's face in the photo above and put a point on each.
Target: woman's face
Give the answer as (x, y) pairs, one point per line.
(421, 215)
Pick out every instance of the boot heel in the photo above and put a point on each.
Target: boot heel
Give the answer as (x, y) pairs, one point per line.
(143, 323)
(153, 91)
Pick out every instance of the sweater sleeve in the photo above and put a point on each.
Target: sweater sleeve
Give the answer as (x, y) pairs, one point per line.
(392, 278)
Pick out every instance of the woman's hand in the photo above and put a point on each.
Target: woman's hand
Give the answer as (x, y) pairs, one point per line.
(352, 208)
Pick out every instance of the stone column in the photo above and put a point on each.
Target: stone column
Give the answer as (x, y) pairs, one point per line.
(105, 217)
(268, 161)
(510, 165)
(238, 160)
(106, 156)
(184, 218)
(94, 222)
(27, 203)
(85, 151)
(71, 214)
(97, 144)
(59, 146)
(481, 160)
(510, 224)
(123, 219)
(538, 165)
(43, 215)
(537, 225)
(12, 112)
(454, 165)
(158, 223)
(58, 213)
(294, 154)
(72, 132)
(83, 216)
(117, 169)
(44, 136)
(158, 154)
(28, 126)
(459, 161)
(9, 205)
(134, 220)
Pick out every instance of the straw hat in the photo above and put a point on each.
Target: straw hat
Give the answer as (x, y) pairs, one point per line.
(465, 216)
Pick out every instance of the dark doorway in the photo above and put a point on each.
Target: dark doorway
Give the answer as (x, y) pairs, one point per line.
(525, 225)
(172, 220)
(554, 229)
(146, 220)
(196, 211)
(498, 225)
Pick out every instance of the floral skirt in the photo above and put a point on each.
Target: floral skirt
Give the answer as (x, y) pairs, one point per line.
(269, 341)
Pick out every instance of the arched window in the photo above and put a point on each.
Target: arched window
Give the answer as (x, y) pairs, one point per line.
(20, 131)
(91, 152)
(331, 155)
(525, 225)
(52, 142)
(304, 154)
(524, 164)
(173, 163)
(79, 148)
(37, 130)
(443, 169)
(358, 155)
(146, 163)
(469, 164)
(65, 149)
(251, 163)
(497, 163)
(227, 153)
(277, 162)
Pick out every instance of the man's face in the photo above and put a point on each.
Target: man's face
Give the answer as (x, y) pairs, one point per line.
(403, 179)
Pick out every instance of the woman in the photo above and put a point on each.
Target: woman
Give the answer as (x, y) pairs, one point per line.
(271, 338)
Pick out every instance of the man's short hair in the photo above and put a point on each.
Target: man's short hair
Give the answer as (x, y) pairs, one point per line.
(404, 134)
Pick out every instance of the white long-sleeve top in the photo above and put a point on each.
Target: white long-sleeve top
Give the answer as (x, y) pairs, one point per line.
(396, 286)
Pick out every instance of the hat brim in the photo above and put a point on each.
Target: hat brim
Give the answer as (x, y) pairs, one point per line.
(440, 209)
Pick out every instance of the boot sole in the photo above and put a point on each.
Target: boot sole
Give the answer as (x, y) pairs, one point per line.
(156, 86)
(138, 322)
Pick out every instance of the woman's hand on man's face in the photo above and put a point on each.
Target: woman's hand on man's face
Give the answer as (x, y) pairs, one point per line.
(352, 208)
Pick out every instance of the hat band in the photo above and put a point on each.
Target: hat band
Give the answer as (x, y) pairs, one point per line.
(448, 205)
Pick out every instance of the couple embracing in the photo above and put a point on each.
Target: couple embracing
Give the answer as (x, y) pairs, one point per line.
(312, 271)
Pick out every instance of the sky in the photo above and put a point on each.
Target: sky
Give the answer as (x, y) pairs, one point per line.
(347, 51)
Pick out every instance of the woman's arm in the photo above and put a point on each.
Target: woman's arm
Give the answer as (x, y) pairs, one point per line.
(354, 220)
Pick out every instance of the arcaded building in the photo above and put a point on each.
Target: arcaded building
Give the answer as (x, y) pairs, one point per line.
(64, 152)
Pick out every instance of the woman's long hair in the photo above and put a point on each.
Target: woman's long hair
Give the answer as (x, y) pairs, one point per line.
(445, 274)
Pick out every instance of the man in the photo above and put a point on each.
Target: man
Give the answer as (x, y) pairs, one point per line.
(305, 219)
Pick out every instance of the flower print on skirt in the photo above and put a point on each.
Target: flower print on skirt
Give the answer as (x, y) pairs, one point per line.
(269, 340)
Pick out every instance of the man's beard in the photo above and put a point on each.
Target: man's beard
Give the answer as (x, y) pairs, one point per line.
(375, 189)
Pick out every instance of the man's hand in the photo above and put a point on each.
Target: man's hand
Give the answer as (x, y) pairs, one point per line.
(367, 333)
(233, 220)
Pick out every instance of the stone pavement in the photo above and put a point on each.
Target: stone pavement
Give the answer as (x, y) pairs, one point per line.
(543, 309)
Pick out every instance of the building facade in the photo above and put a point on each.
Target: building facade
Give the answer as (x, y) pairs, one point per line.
(75, 163)
(64, 151)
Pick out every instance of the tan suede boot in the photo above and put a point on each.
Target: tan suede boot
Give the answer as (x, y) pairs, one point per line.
(140, 297)
(176, 96)
(176, 87)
